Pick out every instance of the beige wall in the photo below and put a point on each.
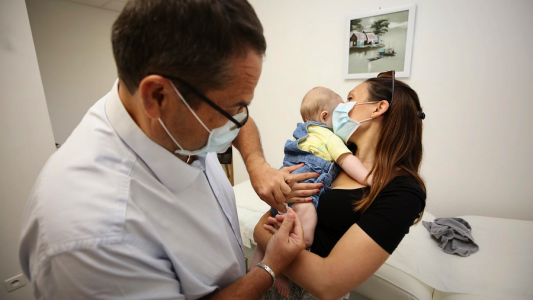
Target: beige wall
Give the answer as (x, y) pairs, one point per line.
(471, 67)
(73, 43)
(26, 135)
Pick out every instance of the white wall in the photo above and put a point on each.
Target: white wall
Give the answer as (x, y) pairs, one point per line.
(471, 67)
(73, 43)
(26, 135)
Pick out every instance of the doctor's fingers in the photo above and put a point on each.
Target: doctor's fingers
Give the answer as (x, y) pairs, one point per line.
(278, 190)
(294, 179)
(272, 194)
(270, 229)
(291, 231)
(291, 169)
(297, 232)
(276, 200)
(285, 226)
(274, 223)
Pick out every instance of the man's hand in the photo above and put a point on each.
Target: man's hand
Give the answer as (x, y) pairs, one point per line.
(274, 223)
(276, 187)
(286, 243)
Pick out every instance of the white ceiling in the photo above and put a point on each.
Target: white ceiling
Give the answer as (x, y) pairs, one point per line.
(115, 5)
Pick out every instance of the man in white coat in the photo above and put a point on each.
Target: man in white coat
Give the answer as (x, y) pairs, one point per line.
(135, 205)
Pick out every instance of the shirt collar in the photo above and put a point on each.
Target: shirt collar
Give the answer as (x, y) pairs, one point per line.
(169, 170)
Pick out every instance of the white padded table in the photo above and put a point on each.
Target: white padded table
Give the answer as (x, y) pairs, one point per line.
(419, 269)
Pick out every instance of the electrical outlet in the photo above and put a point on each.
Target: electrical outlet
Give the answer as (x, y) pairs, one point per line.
(15, 283)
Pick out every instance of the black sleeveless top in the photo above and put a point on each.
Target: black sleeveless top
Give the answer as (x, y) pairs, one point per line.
(386, 221)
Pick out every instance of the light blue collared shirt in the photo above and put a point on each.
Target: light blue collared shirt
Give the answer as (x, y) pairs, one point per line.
(113, 215)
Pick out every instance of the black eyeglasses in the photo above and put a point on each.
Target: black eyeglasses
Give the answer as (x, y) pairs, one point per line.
(389, 74)
(211, 103)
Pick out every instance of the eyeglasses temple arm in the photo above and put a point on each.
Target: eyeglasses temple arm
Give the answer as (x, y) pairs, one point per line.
(206, 100)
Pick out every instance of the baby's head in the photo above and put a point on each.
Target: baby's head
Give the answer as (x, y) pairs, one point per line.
(318, 105)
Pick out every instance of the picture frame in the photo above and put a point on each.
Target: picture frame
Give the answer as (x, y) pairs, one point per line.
(379, 41)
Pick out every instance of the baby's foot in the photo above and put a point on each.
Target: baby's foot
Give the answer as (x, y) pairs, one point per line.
(282, 286)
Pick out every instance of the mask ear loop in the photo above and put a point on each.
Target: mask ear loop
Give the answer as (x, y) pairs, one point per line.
(170, 135)
(172, 138)
(190, 109)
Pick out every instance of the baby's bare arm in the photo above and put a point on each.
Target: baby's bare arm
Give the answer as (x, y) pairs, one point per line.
(307, 214)
(354, 167)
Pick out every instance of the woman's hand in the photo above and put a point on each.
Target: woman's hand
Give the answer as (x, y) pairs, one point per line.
(277, 187)
(301, 191)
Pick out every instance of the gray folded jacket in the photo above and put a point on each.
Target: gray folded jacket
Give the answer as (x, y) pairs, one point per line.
(454, 235)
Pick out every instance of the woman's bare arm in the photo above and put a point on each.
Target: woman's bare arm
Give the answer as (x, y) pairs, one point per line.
(352, 261)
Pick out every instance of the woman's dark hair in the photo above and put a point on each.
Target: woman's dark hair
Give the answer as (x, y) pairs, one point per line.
(399, 143)
(190, 39)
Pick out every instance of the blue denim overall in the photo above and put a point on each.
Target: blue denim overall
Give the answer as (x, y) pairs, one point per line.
(294, 156)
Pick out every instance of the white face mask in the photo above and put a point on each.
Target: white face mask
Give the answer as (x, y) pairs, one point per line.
(219, 138)
(343, 125)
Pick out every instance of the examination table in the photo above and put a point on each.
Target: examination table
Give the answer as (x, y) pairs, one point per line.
(419, 269)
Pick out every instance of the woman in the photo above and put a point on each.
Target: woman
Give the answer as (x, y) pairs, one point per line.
(358, 226)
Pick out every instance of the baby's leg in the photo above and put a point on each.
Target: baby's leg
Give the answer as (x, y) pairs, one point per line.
(282, 285)
(307, 214)
(258, 257)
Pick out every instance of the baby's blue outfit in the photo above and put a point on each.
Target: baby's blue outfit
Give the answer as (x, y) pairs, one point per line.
(295, 156)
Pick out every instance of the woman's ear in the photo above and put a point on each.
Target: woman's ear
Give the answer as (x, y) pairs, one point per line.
(154, 92)
(380, 109)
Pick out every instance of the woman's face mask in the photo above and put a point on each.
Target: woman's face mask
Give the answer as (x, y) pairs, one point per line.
(220, 138)
(343, 125)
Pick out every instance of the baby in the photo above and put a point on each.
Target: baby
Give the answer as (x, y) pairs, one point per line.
(323, 152)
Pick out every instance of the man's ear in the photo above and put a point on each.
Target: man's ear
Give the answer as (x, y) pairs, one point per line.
(154, 92)
(380, 109)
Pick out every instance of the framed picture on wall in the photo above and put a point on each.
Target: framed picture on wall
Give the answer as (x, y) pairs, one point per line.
(379, 41)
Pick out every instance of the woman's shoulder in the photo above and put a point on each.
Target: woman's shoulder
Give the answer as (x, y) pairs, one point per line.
(405, 183)
(405, 187)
